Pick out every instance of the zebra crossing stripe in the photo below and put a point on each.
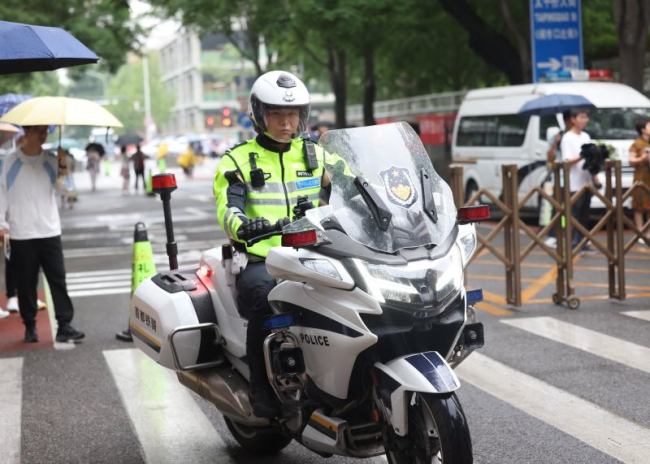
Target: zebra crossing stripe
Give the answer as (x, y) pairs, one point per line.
(644, 315)
(169, 424)
(94, 285)
(106, 278)
(99, 292)
(608, 347)
(11, 379)
(622, 439)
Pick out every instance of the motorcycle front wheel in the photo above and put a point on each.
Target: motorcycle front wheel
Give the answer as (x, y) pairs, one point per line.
(437, 433)
(261, 441)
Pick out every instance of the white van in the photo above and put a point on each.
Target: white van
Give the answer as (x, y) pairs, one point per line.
(489, 132)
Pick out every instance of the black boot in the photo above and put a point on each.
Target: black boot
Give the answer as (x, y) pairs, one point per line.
(263, 398)
(31, 336)
(124, 335)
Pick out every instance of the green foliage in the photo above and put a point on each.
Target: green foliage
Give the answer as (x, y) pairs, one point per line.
(599, 37)
(104, 26)
(35, 84)
(126, 95)
(418, 47)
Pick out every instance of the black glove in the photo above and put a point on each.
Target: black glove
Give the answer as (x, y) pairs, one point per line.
(279, 225)
(253, 228)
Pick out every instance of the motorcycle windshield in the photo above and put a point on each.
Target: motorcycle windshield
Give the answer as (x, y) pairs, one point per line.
(385, 193)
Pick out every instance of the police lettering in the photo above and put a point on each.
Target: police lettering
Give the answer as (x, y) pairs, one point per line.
(314, 339)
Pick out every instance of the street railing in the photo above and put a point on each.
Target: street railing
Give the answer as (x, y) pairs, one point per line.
(563, 222)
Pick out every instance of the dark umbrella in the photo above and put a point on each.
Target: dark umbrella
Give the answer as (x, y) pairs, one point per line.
(555, 103)
(129, 139)
(27, 48)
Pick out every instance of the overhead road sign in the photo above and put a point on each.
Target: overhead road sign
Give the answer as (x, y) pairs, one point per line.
(556, 36)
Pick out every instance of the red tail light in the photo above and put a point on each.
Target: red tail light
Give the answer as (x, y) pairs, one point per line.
(300, 239)
(473, 214)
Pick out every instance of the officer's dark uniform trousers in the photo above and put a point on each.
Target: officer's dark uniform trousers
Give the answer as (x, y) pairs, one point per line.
(253, 286)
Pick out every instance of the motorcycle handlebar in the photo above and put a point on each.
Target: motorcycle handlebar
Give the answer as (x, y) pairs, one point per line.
(273, 230)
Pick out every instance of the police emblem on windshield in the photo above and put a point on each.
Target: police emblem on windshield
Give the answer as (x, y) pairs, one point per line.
(399, 186)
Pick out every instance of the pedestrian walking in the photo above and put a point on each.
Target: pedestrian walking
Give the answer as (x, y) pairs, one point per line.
(93, 159)
(67, 187)
(125, 170)
(138, 166)
(640, 160)
(570, 148)
(28, 210)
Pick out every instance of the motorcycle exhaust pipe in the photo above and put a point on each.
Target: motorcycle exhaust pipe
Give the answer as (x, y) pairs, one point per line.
(226, 389)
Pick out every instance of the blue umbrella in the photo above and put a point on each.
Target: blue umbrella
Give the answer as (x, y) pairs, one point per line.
(555, 103)
(9, 100)
(26, 48)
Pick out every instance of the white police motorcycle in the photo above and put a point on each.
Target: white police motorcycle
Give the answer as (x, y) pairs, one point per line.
(370, 314)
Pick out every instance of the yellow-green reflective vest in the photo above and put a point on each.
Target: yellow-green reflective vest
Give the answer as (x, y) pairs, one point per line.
(286, 179)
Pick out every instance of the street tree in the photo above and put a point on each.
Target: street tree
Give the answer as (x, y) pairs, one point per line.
(251, 26)
(505, 48)
(126, 95)
(104, 26)
(632, 18)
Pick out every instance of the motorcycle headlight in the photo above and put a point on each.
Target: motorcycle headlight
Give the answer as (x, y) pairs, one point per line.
(420, 284)
(322, 266)
(466, 242)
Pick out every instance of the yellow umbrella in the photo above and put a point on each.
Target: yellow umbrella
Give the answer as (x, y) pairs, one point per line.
(60, 111)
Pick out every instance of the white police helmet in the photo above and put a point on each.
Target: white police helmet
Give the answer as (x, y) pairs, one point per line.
(278, 89)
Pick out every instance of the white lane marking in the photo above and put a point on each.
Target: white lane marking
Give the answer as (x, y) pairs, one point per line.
(11, 389)
(598, 428)
(605, 346)
(199, 213)
(104, 291)
(127, 250)
(94, 285)
(202, 198)
(169, 424)
(644, 315)
(103, 278)
(108, 272)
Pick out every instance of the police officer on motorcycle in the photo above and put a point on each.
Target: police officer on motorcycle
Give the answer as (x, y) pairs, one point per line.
(257, 186)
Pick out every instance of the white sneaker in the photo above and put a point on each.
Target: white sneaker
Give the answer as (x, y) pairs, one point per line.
(12, 304)
(41, 305)
(3, 313)
(550, 242)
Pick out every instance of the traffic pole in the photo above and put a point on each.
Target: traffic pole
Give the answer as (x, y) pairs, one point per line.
(164, 184)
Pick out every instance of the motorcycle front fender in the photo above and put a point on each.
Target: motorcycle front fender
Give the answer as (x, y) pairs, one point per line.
(421, 372)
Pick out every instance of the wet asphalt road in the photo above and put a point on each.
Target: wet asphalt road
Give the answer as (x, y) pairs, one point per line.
(588, 365)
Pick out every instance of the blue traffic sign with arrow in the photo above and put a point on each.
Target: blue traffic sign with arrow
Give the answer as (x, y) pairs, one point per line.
(556, 36)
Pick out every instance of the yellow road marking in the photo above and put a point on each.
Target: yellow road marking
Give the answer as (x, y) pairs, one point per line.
(491, 309)
(603, 268)
(494, 298)
(492, 277)
(595, 285)
(538, 285)
(594, 297)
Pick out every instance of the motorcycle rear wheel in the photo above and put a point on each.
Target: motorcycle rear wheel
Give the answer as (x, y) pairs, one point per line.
(261, 441)
(437, 434)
